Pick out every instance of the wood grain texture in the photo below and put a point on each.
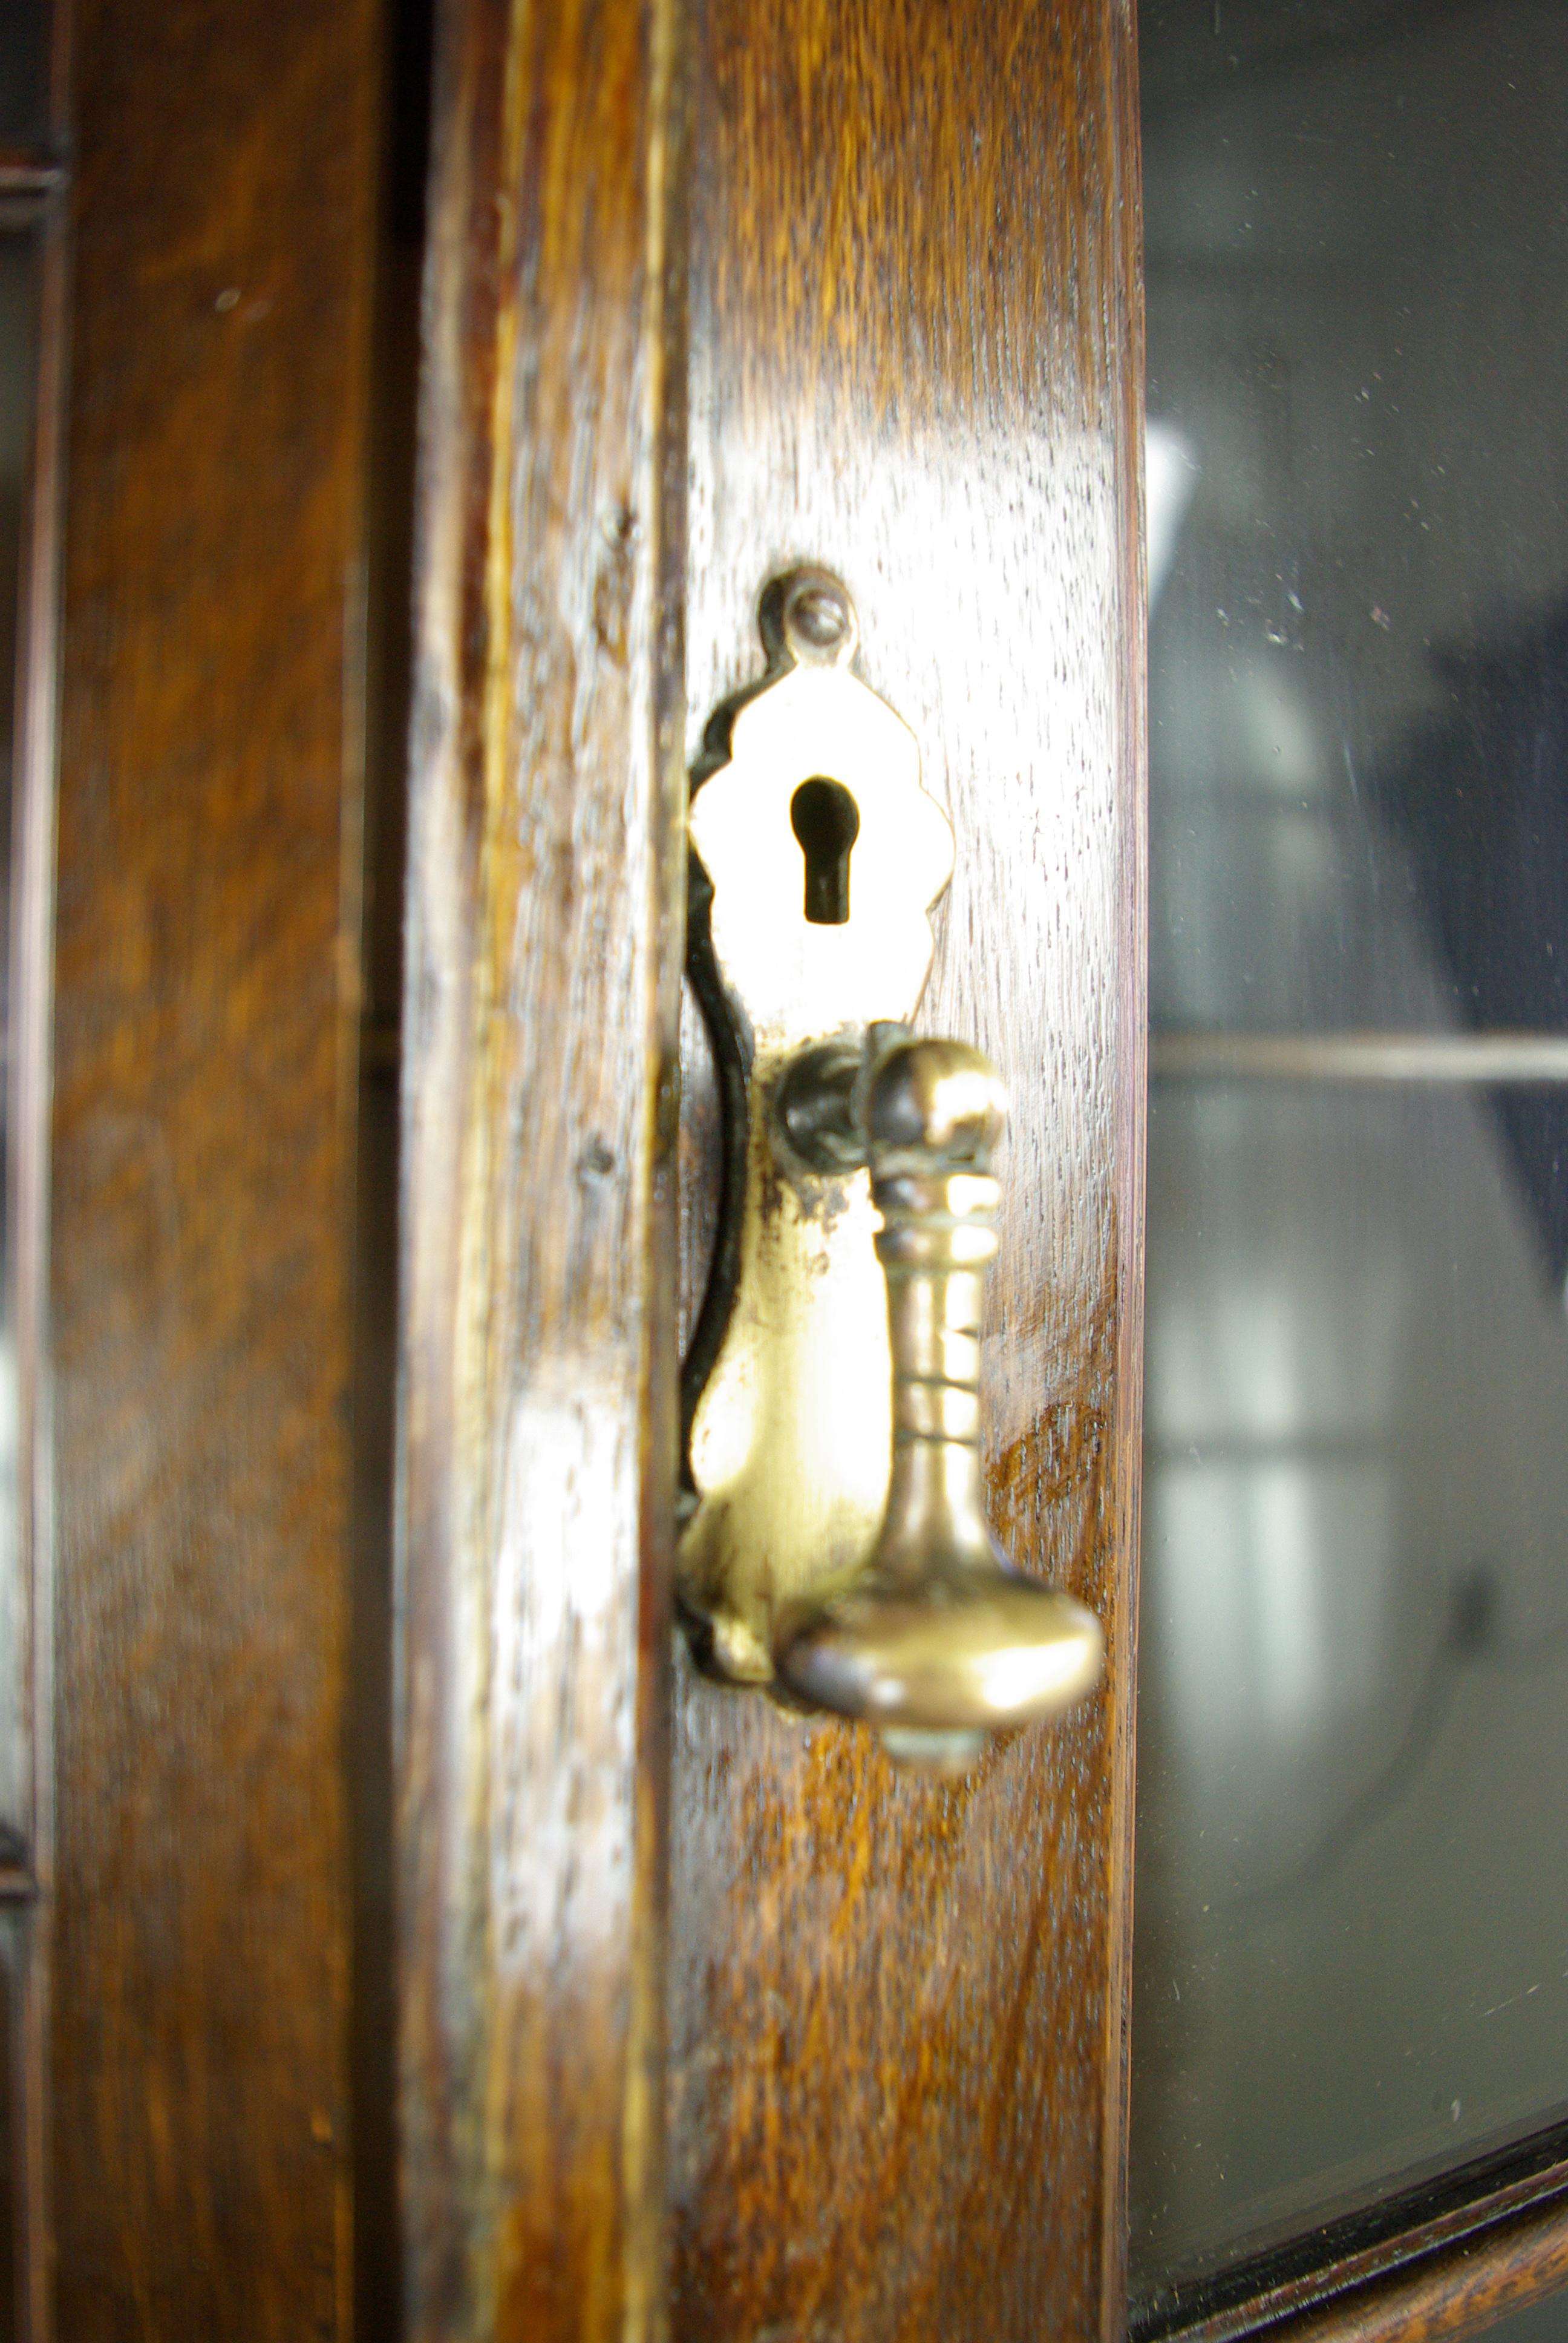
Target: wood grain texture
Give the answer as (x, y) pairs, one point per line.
(898, 2011)
(538, 1471)
(206, 1033)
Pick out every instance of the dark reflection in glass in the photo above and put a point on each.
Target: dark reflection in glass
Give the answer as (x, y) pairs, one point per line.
(24, 69)
(1351, 1949)
(1358, 354)
(1543, 2322)
(17, 273)
(13, 1927)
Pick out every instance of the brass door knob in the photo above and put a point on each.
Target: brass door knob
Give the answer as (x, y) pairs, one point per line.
(834, 1548)
(936, 1639)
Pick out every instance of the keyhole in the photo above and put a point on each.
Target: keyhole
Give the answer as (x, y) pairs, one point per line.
(825, 819)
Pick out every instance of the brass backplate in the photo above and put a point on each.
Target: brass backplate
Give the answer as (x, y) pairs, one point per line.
(790, 1442)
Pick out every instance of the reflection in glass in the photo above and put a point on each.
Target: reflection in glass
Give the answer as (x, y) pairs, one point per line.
(13, 1930)
(1351, 1947)
(1352, 1904)
(1543, 2322)
(24, 69)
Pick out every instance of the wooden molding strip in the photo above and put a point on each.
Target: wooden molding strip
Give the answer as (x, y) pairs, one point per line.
(1426, 2231)
(30, 175)
(1457, 2288)
(1456, 1057)
(1360, 1057)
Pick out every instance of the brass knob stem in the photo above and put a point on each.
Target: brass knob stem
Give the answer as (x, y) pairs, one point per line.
(936, 1238)
(937, 1639)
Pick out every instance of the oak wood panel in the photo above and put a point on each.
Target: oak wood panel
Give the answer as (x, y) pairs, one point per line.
(203, 1137)
(898, 2011)
(538, 1473)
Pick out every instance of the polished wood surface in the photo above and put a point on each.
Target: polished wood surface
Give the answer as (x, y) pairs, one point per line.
(538, 1475)
(205, 1036)
(898, 2010)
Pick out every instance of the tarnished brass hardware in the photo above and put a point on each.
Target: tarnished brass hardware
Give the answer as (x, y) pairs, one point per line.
(935, 1638)
(834, 1546)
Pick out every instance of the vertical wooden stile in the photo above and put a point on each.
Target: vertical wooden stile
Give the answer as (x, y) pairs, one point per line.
(206, 1033)
(536, 1471)
(899, 2010)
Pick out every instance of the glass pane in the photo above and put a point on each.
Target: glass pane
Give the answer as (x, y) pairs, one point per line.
(1352, 1904)
(23, 71)
(1357, 250)
(1351, 1945)
(14, 1933)
(17, 258)
(1544, 2322)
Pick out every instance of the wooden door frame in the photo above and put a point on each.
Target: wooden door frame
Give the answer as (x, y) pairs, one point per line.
(183, 1129)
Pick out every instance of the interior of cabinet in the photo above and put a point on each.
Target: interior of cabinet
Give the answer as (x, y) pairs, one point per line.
(1350, 1983)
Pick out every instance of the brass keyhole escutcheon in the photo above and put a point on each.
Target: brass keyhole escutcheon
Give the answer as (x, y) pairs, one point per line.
(826, 822)
(834, 1547)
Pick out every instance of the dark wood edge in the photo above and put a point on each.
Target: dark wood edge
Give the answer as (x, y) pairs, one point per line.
(36, 182)
(18, 1885)
(31, 1081)
(1128, 196)
(380, 1048)
(32, 1076)
(1457, 2215)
